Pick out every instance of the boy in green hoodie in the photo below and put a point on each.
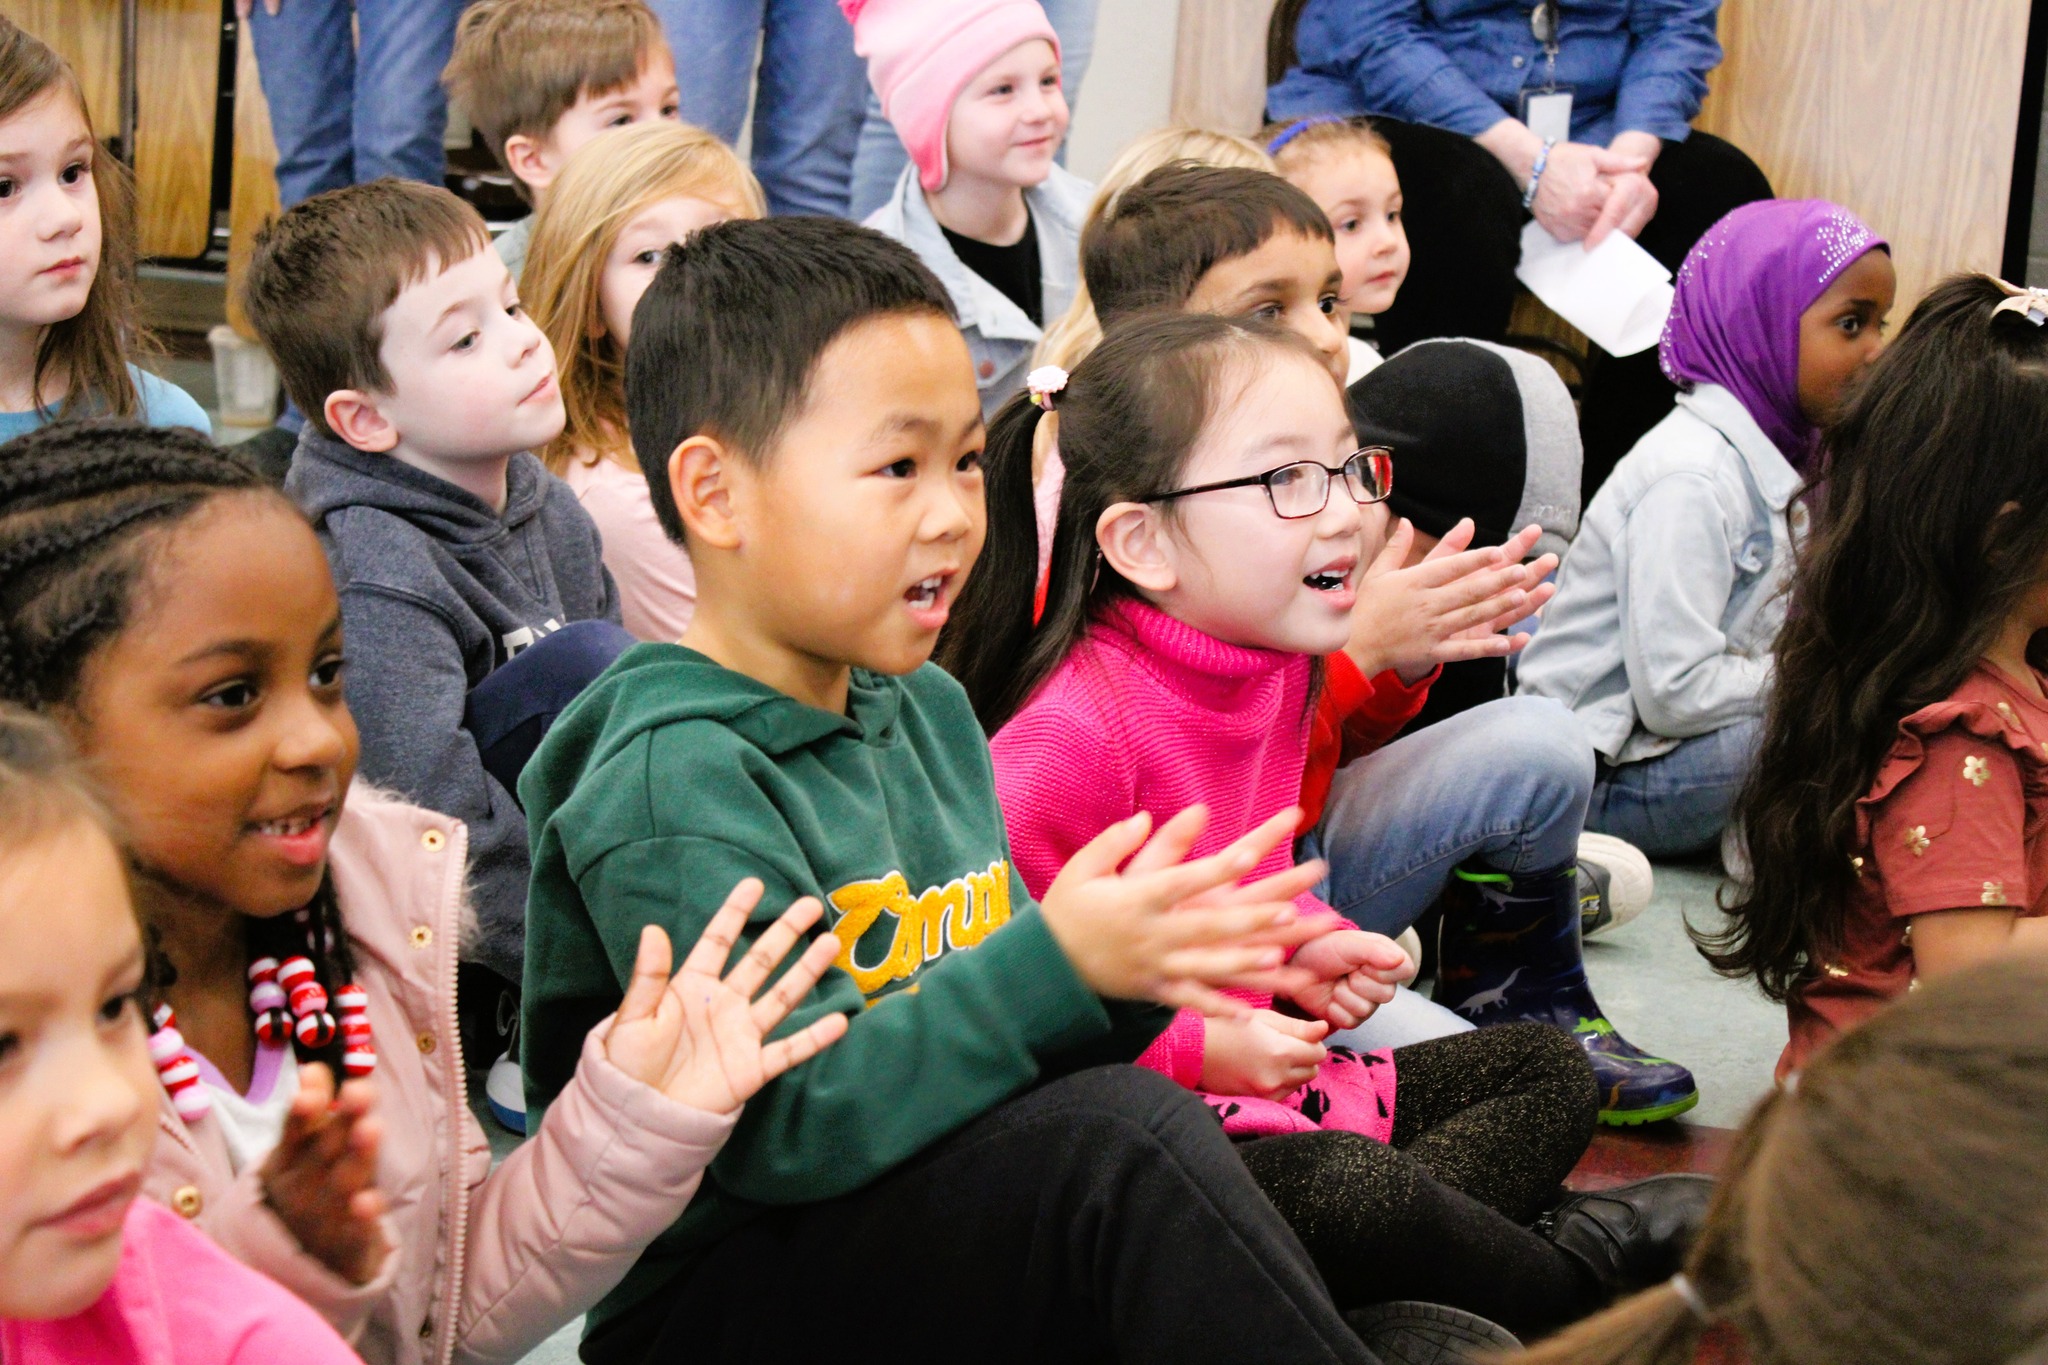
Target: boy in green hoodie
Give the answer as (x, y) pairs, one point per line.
(961, 1175)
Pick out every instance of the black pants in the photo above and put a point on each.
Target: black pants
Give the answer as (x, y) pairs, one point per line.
(1103, 1216)
(1486, 1127)
(1464, 216)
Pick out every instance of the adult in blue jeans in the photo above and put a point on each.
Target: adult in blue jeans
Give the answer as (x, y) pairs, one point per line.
(806, 98)
(1456, 88)
(354, 88)
(879, 159)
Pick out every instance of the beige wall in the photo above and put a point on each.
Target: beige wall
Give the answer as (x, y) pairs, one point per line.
(1129, 86)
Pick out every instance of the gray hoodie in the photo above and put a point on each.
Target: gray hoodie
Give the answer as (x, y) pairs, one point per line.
(436, 591)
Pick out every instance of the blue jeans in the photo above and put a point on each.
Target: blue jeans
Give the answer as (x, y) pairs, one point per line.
(342, 113)
(879, 162)
(806, 106)
(1678, 803)
(1505, 783)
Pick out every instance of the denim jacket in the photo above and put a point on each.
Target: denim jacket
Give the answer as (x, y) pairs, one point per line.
(1000, 337)
(1670, 600)
(1633, 65)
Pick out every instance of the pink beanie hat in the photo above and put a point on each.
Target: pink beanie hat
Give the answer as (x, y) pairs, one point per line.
(922, 53)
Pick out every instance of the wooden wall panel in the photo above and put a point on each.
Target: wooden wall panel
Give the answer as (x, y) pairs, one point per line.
(253, 197)
(177, 58)
(1904, 110)
(1219, 64)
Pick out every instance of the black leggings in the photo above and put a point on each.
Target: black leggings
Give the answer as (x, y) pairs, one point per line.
(1464, 216)
(1486, 1127)
(1102, 1216)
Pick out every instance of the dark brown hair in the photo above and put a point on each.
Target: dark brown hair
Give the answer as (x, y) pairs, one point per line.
(1889, 1209)
(1916, 563)
(1128, 419)
(1153, 245)
(86, 355)
(323, 274)
(519, 65)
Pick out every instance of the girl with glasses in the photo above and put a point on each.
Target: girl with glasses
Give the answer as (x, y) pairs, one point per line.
(1206, 553)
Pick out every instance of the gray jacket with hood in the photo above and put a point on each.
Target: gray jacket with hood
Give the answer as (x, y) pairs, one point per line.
(436, 591)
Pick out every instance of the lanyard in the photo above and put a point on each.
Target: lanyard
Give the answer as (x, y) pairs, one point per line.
(1543, 27)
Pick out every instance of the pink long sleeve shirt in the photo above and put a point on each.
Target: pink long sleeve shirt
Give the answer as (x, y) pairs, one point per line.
(1148, 713)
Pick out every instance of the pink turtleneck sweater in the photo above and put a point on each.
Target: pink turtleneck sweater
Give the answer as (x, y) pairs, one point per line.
(1147, 713)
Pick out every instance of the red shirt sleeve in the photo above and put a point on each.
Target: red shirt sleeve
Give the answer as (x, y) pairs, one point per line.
(1951, 834)
(1354, 716)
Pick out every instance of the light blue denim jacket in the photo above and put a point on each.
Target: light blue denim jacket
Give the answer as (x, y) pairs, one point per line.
(999, 336)
(1670, 599)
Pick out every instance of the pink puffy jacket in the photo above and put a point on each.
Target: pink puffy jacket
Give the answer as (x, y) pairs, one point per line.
(487, 1263)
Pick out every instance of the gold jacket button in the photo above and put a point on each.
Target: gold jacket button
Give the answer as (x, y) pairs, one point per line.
(434, 841)
(187, 1202)
(426, 1042)
(422, 936)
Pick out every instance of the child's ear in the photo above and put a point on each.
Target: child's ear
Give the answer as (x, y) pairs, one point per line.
(1129, 534)
(700, 479)
(355, 417)
(531, 161)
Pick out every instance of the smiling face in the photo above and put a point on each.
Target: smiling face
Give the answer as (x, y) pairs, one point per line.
(1842, 331)
(636, 256)
(215, 717)
(1291, 279)
(49, 212)
(651, 94)
(1010, 120)
(77, 1090)
(1356, 186)
(1235, 569)
(473, 379)
(856, 531)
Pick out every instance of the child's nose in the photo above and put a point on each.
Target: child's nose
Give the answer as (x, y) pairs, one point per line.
(101, 1102)
(61, 214)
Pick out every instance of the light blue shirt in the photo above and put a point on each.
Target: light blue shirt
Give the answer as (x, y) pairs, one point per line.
(164, 404)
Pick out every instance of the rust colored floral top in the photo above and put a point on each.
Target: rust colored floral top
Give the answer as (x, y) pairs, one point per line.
(1956, 819)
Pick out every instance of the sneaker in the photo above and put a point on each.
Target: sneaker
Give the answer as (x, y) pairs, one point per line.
(505, 1090)
(1615, 883)
(1411, 1333)
(1411, 944)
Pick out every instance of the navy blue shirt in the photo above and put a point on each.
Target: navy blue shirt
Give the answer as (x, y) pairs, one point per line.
(1634, 65)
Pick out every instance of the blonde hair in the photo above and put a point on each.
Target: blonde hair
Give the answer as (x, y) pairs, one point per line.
(601, 189)
(1314, 138)
(1889, 1207)
(1076, 333)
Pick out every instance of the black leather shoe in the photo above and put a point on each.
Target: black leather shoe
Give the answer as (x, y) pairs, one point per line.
(1632, 1236)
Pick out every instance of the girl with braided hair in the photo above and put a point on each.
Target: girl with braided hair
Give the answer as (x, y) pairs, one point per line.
(176, 616)
(67, 258)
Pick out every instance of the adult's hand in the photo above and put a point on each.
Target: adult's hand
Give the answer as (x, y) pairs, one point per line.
(1631, 203)
(1578, 183)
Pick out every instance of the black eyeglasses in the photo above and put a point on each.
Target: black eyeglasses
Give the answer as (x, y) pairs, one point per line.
(1302, 489)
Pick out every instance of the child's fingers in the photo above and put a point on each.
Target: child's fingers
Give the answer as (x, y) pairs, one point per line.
(1182, 994)
(713, 948)
(1281, 886)
(796, 984)
(1517, 546)
(1394, 553)
(1171, 843)
(1436, 573)
(772, 946)
(801, 1046)
(1454, 540)
(367, 1205)
(1214, 964)
(1305, 1030)
(1105, 853)
(645, 987)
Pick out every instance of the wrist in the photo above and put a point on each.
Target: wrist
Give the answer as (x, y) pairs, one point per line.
(1369, 662)
(1413, 671)
(1514, 146)
(1536, 170)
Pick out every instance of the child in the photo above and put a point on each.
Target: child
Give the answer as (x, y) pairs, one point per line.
(607, 224)
(1909, 706)
(67, 258)
(89, 1272)
(1491, 809)
(540, 78)
(1348, 169)
(1076, 334)
(1154, 681)
(471, 583)
(973, 89)
(1888, 1209)
(806, 412)
(1778, 307)
(178, 615)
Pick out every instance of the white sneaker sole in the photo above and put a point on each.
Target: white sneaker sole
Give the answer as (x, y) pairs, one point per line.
(1630, 883)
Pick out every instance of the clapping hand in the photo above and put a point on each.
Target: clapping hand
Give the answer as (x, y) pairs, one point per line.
(321, 1178)
(1448, 607)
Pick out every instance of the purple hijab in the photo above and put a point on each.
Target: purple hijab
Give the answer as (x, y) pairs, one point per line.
(1735, 318)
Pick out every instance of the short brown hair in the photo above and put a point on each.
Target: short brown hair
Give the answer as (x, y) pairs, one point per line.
(323, 274)
(520, 64)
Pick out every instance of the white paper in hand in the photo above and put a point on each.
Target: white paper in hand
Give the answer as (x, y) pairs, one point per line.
(1617, 293)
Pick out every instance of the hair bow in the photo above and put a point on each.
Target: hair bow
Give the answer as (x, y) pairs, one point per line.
(2031, 304)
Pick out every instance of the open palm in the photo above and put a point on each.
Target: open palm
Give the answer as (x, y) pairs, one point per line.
(697, 1037)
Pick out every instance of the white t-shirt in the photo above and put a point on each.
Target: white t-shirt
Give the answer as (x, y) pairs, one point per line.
(252, 1123)
(1364, 360)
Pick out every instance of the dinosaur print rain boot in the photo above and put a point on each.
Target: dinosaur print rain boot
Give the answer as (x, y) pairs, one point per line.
(1510, 951)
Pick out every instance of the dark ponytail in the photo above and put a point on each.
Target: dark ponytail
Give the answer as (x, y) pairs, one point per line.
(1125, 423)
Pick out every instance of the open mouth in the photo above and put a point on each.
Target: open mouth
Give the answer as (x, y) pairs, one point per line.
(1333, 579)
(924, 594)
(291, 826)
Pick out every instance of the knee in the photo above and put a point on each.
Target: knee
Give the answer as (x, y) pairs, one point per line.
(1552, 1061)
(1538, 743)
(1108, 1107)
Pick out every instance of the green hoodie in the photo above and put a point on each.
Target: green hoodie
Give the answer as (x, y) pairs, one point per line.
(669, 780)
